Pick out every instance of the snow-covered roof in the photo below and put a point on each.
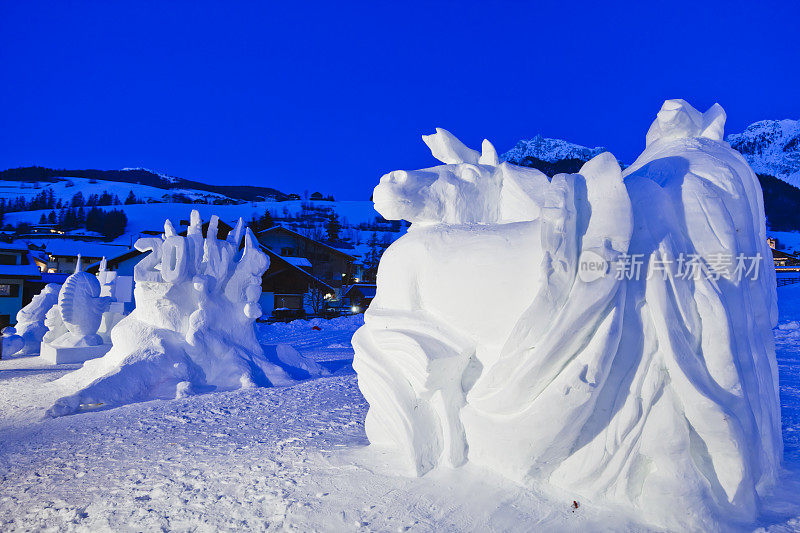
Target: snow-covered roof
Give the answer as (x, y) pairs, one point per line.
(68, 248)
(113, 261)
(13, 246)
(26, 271)
(367, 289)
(297, 261)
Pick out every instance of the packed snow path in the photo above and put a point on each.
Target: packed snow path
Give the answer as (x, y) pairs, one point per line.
(281, 459)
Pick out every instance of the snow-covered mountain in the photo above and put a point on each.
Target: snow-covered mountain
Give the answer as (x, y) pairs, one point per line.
(771, 147)
(549, 150)
(166, 177)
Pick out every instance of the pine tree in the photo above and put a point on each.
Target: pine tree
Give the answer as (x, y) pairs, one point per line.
(77, 200)
(333, 227)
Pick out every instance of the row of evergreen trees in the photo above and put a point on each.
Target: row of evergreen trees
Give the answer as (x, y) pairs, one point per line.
(47, 200)
(109, 223)
(77, 212)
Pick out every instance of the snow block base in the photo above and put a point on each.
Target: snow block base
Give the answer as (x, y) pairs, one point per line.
(59, 355)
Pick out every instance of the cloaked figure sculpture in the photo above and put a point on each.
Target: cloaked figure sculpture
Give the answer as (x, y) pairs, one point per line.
(606, 333)
(193, 326)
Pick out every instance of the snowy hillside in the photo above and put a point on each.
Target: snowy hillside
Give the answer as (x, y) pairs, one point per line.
(65, 188)
(549, 150)
(141, 176)
(771, 147)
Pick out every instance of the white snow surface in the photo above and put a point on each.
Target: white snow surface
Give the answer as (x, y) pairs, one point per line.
(285, 459)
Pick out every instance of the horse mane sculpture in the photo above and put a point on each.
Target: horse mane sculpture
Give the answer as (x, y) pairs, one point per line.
(546, 328)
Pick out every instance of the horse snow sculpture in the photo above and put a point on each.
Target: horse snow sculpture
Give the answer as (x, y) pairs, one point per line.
(31, 329)
(491, 340)
(192, 329)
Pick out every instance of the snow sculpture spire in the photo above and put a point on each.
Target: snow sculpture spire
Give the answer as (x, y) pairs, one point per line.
(564, 361)
(448, 149)
(678, 119)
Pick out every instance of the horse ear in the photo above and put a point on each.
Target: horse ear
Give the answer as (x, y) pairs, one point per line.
(448, 149)
(714, 123)
(488, 154)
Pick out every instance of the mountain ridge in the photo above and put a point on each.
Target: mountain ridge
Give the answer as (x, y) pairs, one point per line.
(141, 176)
(771, 147)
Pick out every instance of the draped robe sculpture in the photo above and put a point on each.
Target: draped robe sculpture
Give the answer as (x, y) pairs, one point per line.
(493, 339)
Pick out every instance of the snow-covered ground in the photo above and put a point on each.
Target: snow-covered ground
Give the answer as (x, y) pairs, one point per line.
(280, 459)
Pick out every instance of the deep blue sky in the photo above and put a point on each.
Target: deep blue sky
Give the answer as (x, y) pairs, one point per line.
(304, 96)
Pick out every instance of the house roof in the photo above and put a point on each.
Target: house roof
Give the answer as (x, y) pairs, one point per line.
(367, 289)
(297, 261)
(13, 246)
(282, 260)
(62, 248)
(781, 255)
(276, 229)
(20, 271)
(55, 277)
(114, 260)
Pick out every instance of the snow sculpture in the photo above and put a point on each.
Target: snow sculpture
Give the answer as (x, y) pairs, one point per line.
(193, 326)
(81, 308)
(79, 312)
(116, 310)
(510, 328)
(31, 328)
(55, 326)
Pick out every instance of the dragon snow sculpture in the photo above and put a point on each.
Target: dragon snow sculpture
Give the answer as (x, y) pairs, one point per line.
(81, 309)
(494, 340)
(193, 326)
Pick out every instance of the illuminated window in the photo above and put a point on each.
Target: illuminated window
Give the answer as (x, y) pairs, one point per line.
(7, 289)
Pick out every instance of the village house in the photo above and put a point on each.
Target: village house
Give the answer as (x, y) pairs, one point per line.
(20, 280)
(359, 296)
(781, 258)
(325, 263)
(62, 255)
